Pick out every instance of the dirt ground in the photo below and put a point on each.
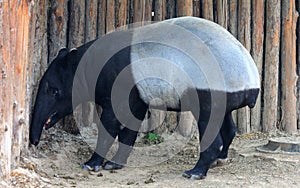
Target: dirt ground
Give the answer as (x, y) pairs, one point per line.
(57, 161)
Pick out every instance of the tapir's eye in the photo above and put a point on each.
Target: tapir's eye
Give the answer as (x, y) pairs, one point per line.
(53, 91)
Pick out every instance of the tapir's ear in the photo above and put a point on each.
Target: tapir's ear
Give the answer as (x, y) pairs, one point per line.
(72, 57)
(62, 52)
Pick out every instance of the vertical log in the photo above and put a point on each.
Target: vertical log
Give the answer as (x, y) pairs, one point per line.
(208, 9)
(91, 20)
(110, 16)
(58, 30)
(171, 9)
(101, 17)
(232, 28)
(121, 13)
(148, 11)
(233, 21)
(76, 38)
(159, 10)
(289, 71)
(196, 8)
(298, 60)
(258, 12)
(138, 10)
(184, 8)
(271, 67)
(15, 19)
(221, 16)
(89, 109)
(244, 36)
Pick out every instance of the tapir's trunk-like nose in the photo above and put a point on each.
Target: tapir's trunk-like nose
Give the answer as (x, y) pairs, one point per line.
(36, 126)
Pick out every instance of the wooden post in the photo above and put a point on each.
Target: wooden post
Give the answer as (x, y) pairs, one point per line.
(184, 8)
(289, 71)
(58, 30)
(232, 22)
(258, 12)
(15, 47)
(207, 9)
(244, 36)
(159, 10)
(142, 11)
(91, 20)
(101, 17)
(271, 67)
(110, 16)
(196, 8)
(121, 13)
(76, 37)
(298, 60)
(171, 9)
(221, 16)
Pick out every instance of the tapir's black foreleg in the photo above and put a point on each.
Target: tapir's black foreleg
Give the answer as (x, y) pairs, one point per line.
(228, 132)
(127, 136)
(108, 129)
(207, 157)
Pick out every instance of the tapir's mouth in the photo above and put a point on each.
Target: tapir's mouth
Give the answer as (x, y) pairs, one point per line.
(49, 123)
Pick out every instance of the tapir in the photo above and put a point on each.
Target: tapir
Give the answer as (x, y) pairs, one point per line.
(180, 64)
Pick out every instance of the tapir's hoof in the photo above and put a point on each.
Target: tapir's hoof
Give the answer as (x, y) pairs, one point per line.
(112, 166)
(194, 174)
(89, 168)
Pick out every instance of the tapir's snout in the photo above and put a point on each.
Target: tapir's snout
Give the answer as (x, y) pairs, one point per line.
(34, 142)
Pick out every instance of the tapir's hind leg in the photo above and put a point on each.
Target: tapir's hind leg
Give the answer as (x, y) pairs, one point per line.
(228, 131)
(207, 157)
(107, 132)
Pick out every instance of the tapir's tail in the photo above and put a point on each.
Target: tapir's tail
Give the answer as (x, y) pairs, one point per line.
(253, 94)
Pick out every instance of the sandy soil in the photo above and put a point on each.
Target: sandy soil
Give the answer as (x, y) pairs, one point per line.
(57, 161)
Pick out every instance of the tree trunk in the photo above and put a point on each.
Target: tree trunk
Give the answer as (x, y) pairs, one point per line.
(58, 30)
(184, 8)
(298, 60)
(289, 71)
(171, 9)
(101, 18)
(207, 9)
(244, 36)
(110, 16)
(258, 12)
(15, 47)
(121, 14)
(159, 10)
(232, 28)
(196, 8)
(222, 13)
(76, 37)
(271, 67)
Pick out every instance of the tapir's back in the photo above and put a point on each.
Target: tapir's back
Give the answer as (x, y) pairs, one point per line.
(189, 52)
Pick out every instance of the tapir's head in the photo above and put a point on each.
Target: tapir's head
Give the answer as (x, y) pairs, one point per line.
(54, 97)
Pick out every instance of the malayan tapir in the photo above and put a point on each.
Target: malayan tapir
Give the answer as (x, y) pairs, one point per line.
(181, 64)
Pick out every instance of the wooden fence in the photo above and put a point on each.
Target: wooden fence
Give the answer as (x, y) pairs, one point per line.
(32, 32)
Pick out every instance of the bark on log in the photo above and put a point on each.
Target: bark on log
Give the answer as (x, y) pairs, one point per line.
(142, 12)
(91, 20)
(58, 30)
(298, 60)
(221, 16)
(101, 17)
(184, 8)
(76, 37)
(15, 17)
(288, 70)
(271, 67)
(196, 8)
(257, 49)
(110, 16)
(244, 36)
(159, 10)
(171, 9)
(207, 9)
(121, 14)
(232, 22)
